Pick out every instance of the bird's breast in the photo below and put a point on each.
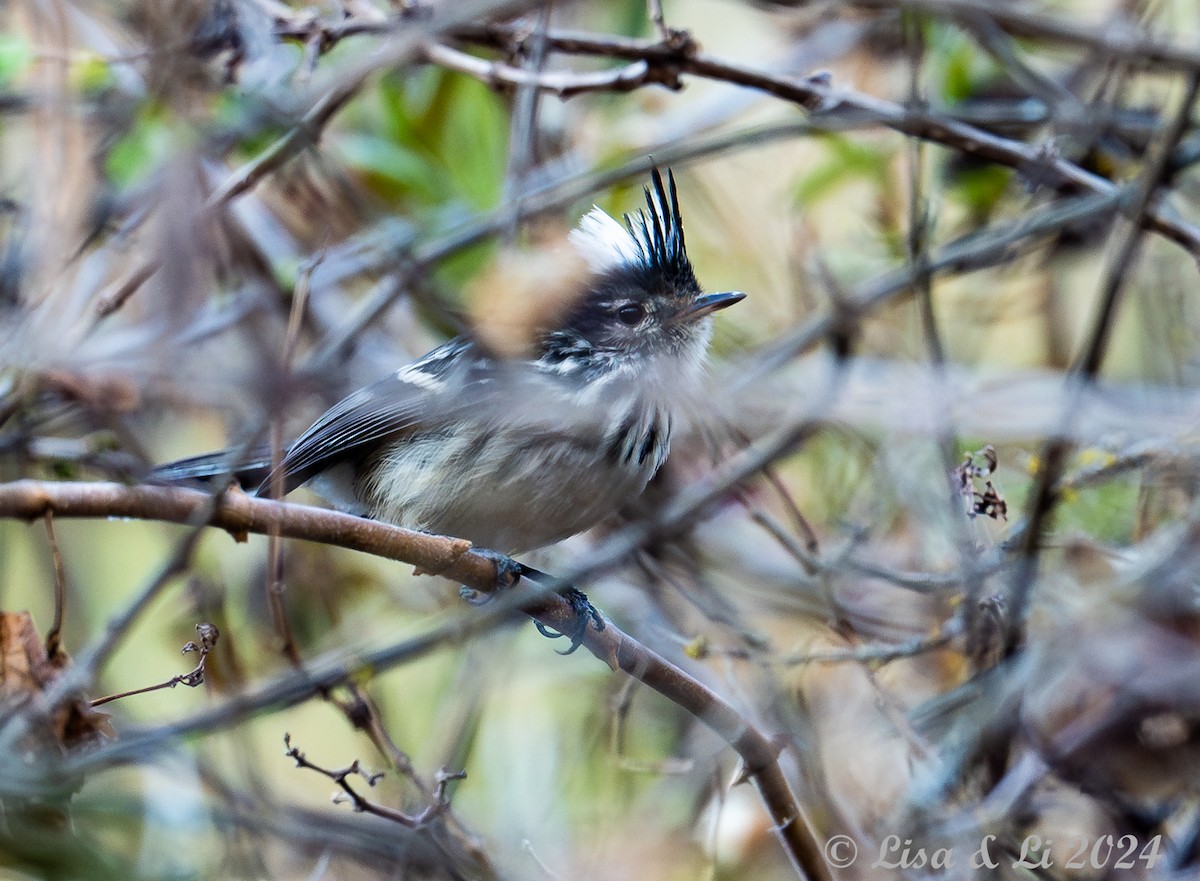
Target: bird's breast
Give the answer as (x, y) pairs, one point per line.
(520, 487)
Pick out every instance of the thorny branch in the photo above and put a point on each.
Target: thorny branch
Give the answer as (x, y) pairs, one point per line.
(663, 63)
(396, 50)
(564, 85)
(1120, 40)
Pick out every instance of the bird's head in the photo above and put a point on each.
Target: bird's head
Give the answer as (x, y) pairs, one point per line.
(641, 301)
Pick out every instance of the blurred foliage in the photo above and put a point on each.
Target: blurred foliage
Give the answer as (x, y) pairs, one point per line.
(850, 159)
(148, 144)
(417, 138)
(15, 57)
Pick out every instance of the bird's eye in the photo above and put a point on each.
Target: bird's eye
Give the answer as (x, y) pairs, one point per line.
(631, 314)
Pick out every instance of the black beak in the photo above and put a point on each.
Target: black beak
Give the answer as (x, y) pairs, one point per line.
(710, 303)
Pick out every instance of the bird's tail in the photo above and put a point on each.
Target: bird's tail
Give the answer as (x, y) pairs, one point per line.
(249, 470)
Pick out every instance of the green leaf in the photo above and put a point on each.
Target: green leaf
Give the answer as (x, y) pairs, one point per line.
(92, 74)
(474, 141)
(958, 79)
(430, 137)
(393, 169)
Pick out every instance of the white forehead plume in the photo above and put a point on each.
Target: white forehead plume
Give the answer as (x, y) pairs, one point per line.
(604, 242)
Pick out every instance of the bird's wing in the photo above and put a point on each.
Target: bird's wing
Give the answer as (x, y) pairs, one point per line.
(359, 422)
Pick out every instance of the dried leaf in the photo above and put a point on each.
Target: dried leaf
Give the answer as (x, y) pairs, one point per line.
(26, 671)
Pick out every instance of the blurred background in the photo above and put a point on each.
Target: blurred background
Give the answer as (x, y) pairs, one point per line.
(961, 593)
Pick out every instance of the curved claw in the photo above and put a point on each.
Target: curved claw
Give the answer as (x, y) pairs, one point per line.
(585, 613)
(508, 570)
(508, 573)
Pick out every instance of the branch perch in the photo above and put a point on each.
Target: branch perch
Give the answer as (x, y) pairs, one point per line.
(453, 558)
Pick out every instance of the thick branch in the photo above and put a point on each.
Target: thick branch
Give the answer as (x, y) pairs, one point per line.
(240, 514)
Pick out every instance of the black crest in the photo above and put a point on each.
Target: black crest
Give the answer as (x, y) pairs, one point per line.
(658, 230)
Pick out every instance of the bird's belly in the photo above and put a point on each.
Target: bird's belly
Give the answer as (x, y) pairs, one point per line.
(506, 496)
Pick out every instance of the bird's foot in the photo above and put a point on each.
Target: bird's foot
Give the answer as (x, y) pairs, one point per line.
(508, 573)
(585, 613)
(581, 606)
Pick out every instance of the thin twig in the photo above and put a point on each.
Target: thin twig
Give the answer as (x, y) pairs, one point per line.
(438, 806)
(917, 241)
(973, 252)
(1117, 40)
(112, 300)
(397, 48)
(54, 634)
(873, 655)
(275, 588)
(208, 635)
(563, 84)
(523, 126)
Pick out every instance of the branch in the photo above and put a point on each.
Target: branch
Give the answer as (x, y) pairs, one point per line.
(239, 514)
(454, 558)
(208, 635)
(817, 95)
(563, 84)
(439, 805)
(973, 252)
(1117, 40)
(396, 49)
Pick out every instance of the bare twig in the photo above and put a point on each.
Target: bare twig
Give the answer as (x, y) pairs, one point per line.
(1137, 456)
(1118, 40)
(208, 636)
(523, 126)
(397, 48)
(973, 252)
(341, 777)
(565, 85)
(54, 634)
(112, 300)
(874, 655)
(275, 587)
(94, 656)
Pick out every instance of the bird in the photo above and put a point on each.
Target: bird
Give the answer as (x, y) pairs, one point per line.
(518, 451)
